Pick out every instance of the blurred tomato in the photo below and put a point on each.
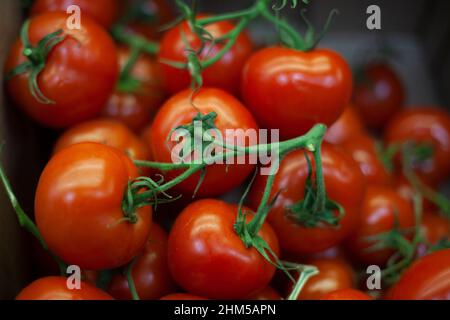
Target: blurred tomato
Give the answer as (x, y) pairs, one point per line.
(348, 125)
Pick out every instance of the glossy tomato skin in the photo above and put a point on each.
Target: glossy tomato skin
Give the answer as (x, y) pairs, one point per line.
(104, 12)
(79, 76)
(293, 90)
(224, 74)
(150, 271)
(334, 274)
(78, 207)
(106, 131)
(346, 127)
(136, 109)
(424, 125)
(266, 294)
(363, 150)
(182, 296)
(381, 206)
(178, 110)
(434, 227)
(378, 95)
(426, 279)
(346, 294)
(55, 288)
(207, 257)
(345, 184)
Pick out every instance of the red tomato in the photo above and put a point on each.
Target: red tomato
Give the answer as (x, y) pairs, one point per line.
(266, 294)
(293, 90)
(179, 110)
(207, 257)
(429, 126)
(136, 109)
(427, 279)
(109, 132)
(150, 271)
(346, 294)
(334, 274)
(406, 191)
(79, 74)
(378, 95)
(104, 12)
(224, 74)
(182, 296)
(363, 149)
(346, 127)
(55, 288)
(435, 227)
(78, 207)
(344, 184)
(382, 205)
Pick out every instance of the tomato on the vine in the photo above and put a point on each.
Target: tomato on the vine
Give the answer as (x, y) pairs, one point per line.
(78, 207)
(427, 279)
(78, 77)
(150, 271)
(382, 210)
(208, 258)
(346, 294)
(344, 183)
(180, 110)
(378, 94)
(104, 12)
(292, 90)
(404, 188)
(55, 288)
(266, 294)
(346, 127)
(363, 149)
(434, 227)
(224, 74)
(429, 127)
(135, 106)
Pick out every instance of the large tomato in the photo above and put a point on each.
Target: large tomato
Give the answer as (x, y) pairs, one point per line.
(427, 279)
(428, 126)
(224, 74)
(346, 127)
(293, 90)
(79, 74)
(104, 12)
(378, 94)
(344, 184)
(78, 207)
(207, 257)
(346, 294)
(381, 208)
(364, 151)
(179, 110)
(150, 271)
(55, 288)
(137, 107)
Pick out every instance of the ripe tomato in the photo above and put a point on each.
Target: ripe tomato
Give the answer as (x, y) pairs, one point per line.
(55, 288)
(346, 127)
(363, 149)
(207, 257)
(179, 110)
(382, 205)
(104, 12)
(109, 132)
(404, 188)
(334, 274)
(429, 126)
(136, 109)
(346, 294)
(378, 95)
(293, 90)
(150, 271)
(345, 184)
(435, 227)
(426, 279)
(182, 296)
(266, 294)
(78, 207)
(224, 74)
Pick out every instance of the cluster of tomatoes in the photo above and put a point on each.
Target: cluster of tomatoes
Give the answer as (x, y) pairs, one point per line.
(92, 207)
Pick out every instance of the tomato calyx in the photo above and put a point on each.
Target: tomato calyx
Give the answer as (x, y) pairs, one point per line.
(37, 57)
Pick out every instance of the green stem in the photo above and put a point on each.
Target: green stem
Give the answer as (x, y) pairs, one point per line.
(305, 273)
(131, 285)
(227, 16)
(134, 40)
